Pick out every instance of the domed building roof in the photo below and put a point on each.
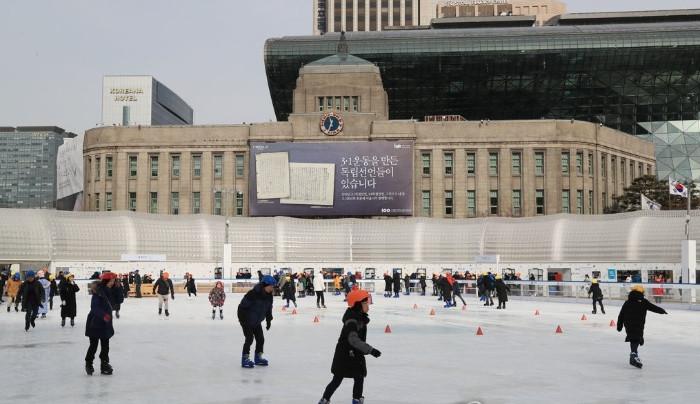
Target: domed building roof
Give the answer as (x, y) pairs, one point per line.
(341, 61)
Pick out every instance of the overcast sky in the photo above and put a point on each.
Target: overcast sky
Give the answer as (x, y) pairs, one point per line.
(55, 52)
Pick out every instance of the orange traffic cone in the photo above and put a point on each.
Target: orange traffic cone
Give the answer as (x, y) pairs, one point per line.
(432, 312)
(387, 330)
(316, 320)
(537, 312)
(584, 318)
(479, 332)
(612, 323)
(294, 311)
(415, 306)
(559, 330)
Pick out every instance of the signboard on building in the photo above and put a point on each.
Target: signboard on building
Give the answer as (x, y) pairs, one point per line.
(331, 179)
(69, 167)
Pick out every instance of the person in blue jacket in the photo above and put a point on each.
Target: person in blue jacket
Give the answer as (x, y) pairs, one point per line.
(99, 323)
(255, 307)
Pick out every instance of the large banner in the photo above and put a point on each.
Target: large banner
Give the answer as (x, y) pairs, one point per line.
(69, 167)
(331, 179)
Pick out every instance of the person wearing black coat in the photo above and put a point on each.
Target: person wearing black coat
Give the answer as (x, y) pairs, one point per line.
(289, 291)
(67, 290)
(33, 296)
(397, 283)
(99, 328)
(633, 316)
(3, 279)
(190, 286)
(407, 285)
(164, 287)
(387, 285)
(137, 283)
(255, 307)
(349, 358)
(422, 285)
(125, 286)
(502, 291)
(597, 295)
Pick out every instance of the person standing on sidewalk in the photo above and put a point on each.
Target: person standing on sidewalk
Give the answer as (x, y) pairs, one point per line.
(164, 287)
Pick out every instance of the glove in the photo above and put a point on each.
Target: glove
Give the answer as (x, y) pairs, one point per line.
(619, 328)
(107, 317)
(269, 324)
(173, 296)
(375, 353)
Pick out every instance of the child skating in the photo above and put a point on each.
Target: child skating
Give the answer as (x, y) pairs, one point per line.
(633, 316)
(350, 351)
(217, 297)
(594, 290)
(12, 291)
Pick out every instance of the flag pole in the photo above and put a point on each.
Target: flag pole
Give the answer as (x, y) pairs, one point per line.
(687, 215)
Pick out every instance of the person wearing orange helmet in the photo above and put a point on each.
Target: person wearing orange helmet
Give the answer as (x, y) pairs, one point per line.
(349, 358)
(633, 316)
(164, 286)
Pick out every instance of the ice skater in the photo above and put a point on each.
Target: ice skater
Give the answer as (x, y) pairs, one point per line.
(289, 291)
(336, 284)
(594, 290)
(117, 295)
(44, 308)
(633, 316)
(217, 297)
(33, 298)
(446, 287)
(319, 288)
(387, 284)
(397, 284)
(422, 285)
(407, 285)
(456, 291)
(502, 291)
(67, 291)
(349, 358)
(53, 289)
(255, 307)
(99, 328)
(190, 286)
(13, 286)
(164, 286)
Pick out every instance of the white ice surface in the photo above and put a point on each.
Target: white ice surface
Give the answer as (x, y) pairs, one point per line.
(427, 359)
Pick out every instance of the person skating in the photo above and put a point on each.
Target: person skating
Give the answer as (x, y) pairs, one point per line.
(53, 289)
(67, 291)
(255, 307)
(4, 277)
(125, 286)
(633, 316)
(289, 291)
(336, 284)
(349, 358)
(137, 283)
(319, 288)
(422, 284)
(407, 285)
(99, 328)
(117, 297)
(217, 297)
(456, 291)
(190, 286)
(13, 286)
(446, 288)
(33, 298)
(387, 284)
(502, 291)
(44, 308)
(597, 295)
(164, 287)
(397, 283)
(490, 287)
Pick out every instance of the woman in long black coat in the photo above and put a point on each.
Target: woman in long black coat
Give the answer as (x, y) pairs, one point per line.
(99, 326)
(632, 316)
(67, 291)
(387, 285)
(502, 291)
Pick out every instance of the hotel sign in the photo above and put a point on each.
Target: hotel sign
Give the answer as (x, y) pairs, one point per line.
(126, 94)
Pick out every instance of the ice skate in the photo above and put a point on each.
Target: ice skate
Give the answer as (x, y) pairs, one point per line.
(213, 314)
(360, 400)
(63, 322)
(32, 322)
(594, 312)
(323, 306)
(246, 362)
(89, 369)
(43, 316)
(106, 368)
(160, 311)
(259, 360)
(635, 361)
(167, 314)
(72, 322)
(221, 314)
(323, 400)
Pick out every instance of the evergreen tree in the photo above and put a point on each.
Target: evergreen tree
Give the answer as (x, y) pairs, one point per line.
(654, 189)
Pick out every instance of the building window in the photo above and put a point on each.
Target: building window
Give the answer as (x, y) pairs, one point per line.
(355, 104)
(539, 201)
(133, 160)
(565, 157)
(449, 163)
(590, 202)
(125, 115)
(603, 166)
(175, 165)
(579, 202)
(640, 169)
(337, 103)
(329, 103)
(98, 175)
(132, 201)
(321, 104)
(218, 165)
(517, 208)
(426, 203)
(108, 168)
(624, 172)
(346, 104)
(217, 203)
(196, 203)
(493, 164)
(174, 203)
(240, 165)
(88, 170)
(494, 202)
(516, 160)
(97, 201)
(425, 157)
(448, 203)
(108, 201)
(471, 163)
(605, 200)
(613, 167)
(539, 163)
(197, 165)
(471, 203)
(153, 208)
(590, 164)
(579, 163)
(565, 201)
(154, 166)
(239, 203)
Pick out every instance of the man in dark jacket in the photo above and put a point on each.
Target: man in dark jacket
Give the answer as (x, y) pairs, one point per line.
(422, 284)
(633, 316)
(255, 307)
(137, 283)
(594, 290)
(33, 296)
(397, 283)
(99, 326)
(164, 287)
(3, 279)
(407, 285)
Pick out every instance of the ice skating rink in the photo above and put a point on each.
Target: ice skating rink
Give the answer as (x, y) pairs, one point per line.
(191, 358)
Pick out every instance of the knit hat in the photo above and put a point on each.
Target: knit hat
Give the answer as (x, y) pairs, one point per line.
(638, 288)
(16, 276)
(107, 276)
(268, 280)
(357, 295)
(30, 274)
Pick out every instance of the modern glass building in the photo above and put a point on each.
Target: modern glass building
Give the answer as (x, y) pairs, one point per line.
(28, 166)
(637, 72)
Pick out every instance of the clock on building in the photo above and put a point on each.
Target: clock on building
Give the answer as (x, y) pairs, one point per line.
(331, 123)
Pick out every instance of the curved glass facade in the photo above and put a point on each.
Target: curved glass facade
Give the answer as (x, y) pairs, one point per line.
(643, 79)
